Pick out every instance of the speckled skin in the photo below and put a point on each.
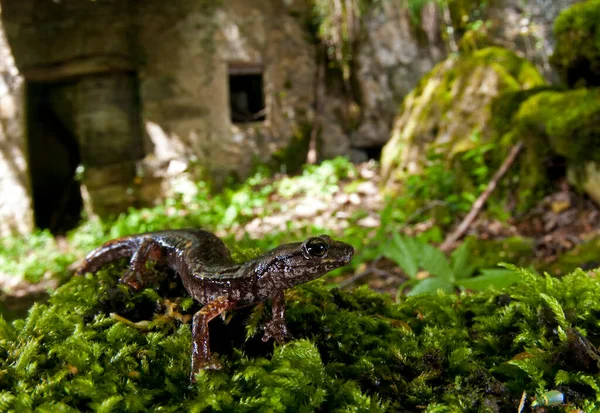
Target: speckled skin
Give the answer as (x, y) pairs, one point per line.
(212, 278)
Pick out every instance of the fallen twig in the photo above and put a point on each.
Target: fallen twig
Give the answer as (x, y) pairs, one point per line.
(481, 200)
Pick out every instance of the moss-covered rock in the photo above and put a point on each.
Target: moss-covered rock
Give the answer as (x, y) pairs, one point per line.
(566, 124)
(577, 53)
(451, 106)
(352, 351)
(570, 122)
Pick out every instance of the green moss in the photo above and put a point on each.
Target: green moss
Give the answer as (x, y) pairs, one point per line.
(506, 105)
(465, 104)
(577, 53)
(585, 254)
(561, 123)
(352, 351)
(474, 40)
(523, 72)
(514, 250)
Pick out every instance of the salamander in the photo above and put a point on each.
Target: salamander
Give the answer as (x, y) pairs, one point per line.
(212, 278)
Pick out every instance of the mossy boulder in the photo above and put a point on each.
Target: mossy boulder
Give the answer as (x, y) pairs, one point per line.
(565, 124)
(351, 351)
(451, 106)
(577, 53)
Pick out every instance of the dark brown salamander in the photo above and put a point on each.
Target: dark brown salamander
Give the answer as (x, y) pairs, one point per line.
(212, 278)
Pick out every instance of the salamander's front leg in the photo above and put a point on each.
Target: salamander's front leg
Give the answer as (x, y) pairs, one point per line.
(276, 327)
(201, 358)
(137, 275)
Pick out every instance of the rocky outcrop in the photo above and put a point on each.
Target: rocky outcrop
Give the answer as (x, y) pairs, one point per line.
(577, 55)
(396, 51)
(393, 55)
(565, 124)
(451, 109)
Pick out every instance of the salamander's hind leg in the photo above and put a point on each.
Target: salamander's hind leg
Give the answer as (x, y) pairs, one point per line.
(201, 358)
(137, 274)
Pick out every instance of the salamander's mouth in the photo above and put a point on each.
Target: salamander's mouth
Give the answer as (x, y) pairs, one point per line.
(345, 254)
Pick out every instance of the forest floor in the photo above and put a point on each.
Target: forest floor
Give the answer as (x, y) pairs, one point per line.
(557, 224)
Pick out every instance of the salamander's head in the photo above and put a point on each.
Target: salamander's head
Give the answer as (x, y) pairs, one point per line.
(292, 264)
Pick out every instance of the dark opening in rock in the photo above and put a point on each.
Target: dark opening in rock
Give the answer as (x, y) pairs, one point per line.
(246, 96)
(582, 73)
(373, 152)
(556, 168)
(53, 156)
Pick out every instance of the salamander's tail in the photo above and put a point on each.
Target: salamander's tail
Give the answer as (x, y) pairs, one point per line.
(111, 251)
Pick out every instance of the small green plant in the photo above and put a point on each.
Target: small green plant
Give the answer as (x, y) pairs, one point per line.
(446, 274)
(456, 188)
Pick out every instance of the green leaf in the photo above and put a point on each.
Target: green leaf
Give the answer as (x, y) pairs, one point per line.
(431, 285)
(435, 262)
(490, 278)
(404, 252)
(459, 260)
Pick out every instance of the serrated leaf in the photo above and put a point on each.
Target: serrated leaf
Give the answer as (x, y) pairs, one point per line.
(435, 262)
(459, 261)
(404, 253)
(490, 278)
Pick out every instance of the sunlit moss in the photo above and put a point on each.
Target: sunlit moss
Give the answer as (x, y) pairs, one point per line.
(351, 351)
(454, 112)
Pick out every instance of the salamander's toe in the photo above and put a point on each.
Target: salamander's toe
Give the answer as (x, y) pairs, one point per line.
(131, 279)
(276, 330)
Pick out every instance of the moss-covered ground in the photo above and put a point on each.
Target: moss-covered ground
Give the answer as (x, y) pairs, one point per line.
(351, 351)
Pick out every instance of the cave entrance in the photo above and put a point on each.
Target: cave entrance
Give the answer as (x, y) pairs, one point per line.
(53, 155)
(246, 96)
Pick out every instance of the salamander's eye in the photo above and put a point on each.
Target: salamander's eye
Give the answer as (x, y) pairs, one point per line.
(316, 247)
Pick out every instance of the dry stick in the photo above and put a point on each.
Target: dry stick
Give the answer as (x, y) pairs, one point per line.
(478, 204)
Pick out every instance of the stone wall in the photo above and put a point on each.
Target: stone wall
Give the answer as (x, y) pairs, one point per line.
(144, 89)
(16, 214)
(184, 89)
